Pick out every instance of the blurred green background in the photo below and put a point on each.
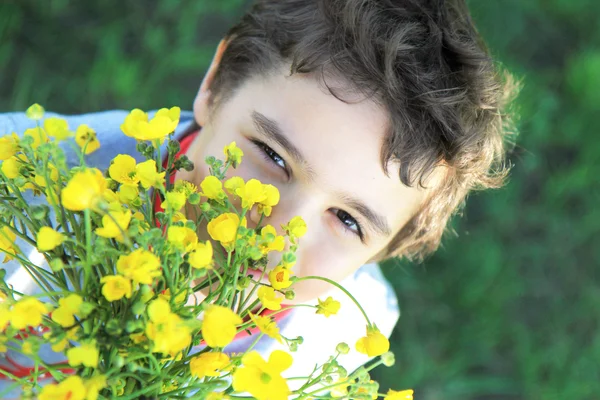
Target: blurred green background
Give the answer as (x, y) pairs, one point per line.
(509, 309)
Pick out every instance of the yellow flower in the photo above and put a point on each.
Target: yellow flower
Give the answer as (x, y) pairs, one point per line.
(268, 298)
(39, 136)
(267, 326)
(165, 121)
(11, 166)
(93, 386)
(87, 355)
(251, 193)
(219, 325)
(328, 307)
(224, 227)
(86, 138)
(128, 194)
(233, 154)
(401, 395)
(71, 388)
(178, 217)
(233, 184)
(182, 238)
(374, 344)
(122, 169)
(263, 379)
(280, 278)
(141, 266)
(272, 199)
(35, 112)
(174, 201)
(115, 287)
(113, 224)
(130, 125)
(275, 244)
(4, 315)
(168, 332)
(9, 145)
(209, 364)
(185, 187)
(57, 128)
(84, 190)
(28, 311)
(202, 256)
(212, 188)
(64, 315)
(296, 227)
(148, 174)
(7, 243)
(48, 239)
(159, 310)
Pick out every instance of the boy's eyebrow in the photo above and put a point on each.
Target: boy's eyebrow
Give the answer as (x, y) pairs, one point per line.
(273, 131)
(377, 221)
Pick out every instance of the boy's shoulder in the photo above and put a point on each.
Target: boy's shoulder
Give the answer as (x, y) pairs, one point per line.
(107, 125)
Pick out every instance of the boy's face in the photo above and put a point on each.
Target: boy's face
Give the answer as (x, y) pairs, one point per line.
(324, 157)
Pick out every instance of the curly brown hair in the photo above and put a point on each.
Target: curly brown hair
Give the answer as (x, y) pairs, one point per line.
(422, 60)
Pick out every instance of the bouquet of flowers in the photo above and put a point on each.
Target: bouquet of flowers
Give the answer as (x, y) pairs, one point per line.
(125, 265)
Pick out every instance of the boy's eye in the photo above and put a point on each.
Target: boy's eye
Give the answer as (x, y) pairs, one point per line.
(350, 223)
(272, 156)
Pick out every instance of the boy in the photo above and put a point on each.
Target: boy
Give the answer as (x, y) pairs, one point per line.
(374, 118)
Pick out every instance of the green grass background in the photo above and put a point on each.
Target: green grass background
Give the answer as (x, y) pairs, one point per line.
(508, 309)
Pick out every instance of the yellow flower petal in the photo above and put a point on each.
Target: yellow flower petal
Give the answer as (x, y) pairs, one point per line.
(9, 145)
(115, 287)
(86, 138)
(57, 128)
(268, 298)
(87, 355)
(401, 395)
(219, 325)
(48, 239)
(374, 344)
(84, 190)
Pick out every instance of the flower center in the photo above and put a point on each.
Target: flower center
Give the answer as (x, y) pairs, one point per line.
(265, 378)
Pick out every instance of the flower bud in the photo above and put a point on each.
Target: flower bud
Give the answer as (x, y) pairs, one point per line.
(243, 283)
(194, 198)
(39, 212)
(205, 206)
(388, 359)
(255, 254)
(361, 374)
(289, 295)
(173, 147)
(342, 348)
(57, 265)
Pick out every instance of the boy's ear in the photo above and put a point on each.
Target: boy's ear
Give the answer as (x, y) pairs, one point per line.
(202, 98)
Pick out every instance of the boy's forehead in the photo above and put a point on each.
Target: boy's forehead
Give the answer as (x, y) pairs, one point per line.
(341, 141)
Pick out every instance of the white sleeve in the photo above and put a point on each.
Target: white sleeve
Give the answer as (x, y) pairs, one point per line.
(321, 334)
